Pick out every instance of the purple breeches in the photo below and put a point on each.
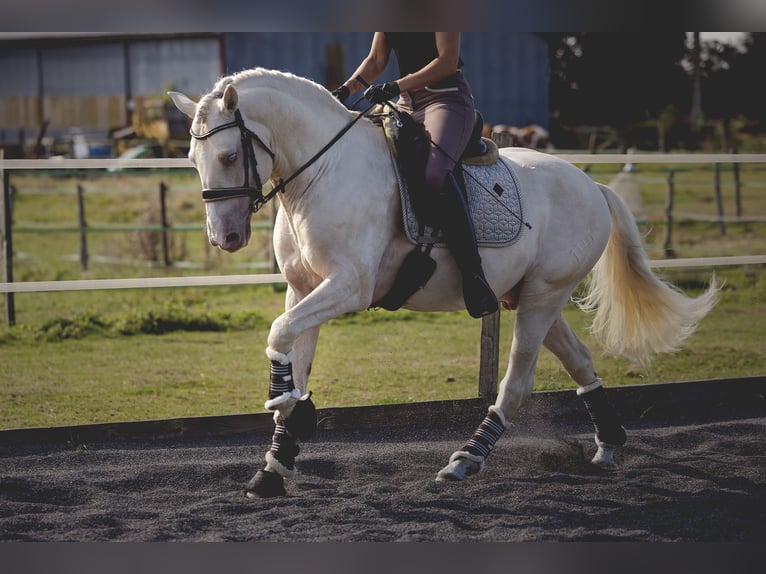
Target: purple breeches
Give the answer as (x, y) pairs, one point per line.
(447, 112)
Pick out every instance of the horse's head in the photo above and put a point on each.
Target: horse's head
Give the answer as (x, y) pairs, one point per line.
(223, 151)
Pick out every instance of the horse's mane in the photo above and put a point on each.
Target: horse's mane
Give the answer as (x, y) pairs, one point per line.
(285, 82)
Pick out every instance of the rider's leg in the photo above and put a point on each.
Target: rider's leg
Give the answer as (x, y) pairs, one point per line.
(449, 121)
(458, 229)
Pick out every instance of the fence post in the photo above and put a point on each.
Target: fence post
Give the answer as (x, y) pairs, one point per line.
(719, 199)
(10, 304)
(164, 222)
(668, 244)
(490, 354)
(737, 197)
(83, 225)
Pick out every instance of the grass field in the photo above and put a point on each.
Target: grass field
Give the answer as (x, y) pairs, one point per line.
(105, 356)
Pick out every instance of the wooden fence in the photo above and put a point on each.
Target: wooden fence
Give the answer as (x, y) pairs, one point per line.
(488, 372)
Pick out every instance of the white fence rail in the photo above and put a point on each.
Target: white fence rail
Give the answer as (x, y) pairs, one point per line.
(173, 163)
(271, 278)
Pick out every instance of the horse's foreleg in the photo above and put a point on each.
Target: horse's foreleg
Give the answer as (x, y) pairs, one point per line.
(532, 323)
(294, 413)
(576, 359)
(290, 368)
(292, 343)
(293, 335)
(288, 378)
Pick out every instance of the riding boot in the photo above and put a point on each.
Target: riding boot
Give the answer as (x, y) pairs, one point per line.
(458, 230)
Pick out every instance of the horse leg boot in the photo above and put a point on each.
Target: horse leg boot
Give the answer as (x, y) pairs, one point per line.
(470, 459)
(610, 434)
(458, 229)
(294, 419)
(575, 357)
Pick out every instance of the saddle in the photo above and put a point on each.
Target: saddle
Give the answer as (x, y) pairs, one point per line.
(410, 146)
(408, 141)
(492, 207)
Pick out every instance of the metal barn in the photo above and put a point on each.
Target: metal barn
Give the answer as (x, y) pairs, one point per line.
(65, 84)
(507, 71)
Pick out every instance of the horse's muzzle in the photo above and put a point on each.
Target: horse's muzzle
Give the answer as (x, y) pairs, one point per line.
(230, 241)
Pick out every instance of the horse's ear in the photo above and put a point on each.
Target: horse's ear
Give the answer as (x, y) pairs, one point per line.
(183, 103)
(230, 99)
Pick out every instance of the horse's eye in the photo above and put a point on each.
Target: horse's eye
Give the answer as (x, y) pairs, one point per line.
(231, 158)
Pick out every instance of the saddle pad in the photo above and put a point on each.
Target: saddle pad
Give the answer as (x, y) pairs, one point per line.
(497, 216)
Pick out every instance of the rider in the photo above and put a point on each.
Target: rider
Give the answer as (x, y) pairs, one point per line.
(435, 93)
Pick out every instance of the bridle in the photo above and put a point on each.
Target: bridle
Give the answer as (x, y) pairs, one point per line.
(247, 136)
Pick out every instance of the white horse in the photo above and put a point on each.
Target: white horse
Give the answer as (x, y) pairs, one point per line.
(339, 241)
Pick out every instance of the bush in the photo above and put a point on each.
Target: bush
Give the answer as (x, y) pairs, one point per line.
(172, 316)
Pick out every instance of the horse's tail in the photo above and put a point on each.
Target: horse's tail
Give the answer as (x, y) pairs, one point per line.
(637, 314)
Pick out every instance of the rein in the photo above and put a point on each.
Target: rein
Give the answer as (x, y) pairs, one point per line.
(255, 193)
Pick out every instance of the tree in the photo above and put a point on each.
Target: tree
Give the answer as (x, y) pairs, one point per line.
(626, 81)
(621, 79)
(732, 83)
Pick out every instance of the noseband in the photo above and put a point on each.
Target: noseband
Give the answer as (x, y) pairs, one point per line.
(255, 193)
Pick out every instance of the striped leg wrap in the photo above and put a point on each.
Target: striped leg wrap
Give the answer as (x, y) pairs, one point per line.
(484, 438)
(281, 380)
(284, 449)
(608, 427)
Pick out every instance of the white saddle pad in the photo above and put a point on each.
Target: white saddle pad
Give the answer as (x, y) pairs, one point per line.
(493, 201)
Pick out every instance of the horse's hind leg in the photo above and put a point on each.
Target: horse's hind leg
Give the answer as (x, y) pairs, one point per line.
(576, 359)
(534, 319)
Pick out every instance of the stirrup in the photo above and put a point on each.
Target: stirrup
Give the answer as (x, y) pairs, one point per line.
(480, 300)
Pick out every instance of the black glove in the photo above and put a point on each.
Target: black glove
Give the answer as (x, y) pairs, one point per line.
(379, 93)
(341, 92)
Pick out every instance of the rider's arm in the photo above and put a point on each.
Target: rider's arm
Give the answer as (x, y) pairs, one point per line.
(373, 65)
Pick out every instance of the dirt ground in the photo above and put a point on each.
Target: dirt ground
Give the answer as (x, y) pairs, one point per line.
(698, 478)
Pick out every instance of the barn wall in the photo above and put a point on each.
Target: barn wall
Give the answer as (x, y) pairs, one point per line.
(185, 65)
(509, 76)
(87, 85)
(19, 104)
(507, 71)
(304, 54)
(77, 84)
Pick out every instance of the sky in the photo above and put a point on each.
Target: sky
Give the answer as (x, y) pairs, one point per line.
(726, 37)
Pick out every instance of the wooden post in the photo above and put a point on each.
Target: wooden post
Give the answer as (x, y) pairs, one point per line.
(164, 222)
(490, 354)
(719, 198)
(668, 244)
(83, 227)
(737, 196)
(10, 306)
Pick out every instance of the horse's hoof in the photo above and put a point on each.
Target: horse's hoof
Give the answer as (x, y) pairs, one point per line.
(265, 484)
(458, 470)
(604, 458)
(452, 472)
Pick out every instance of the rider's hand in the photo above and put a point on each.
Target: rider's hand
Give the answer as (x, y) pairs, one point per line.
(379, 93)
(341, 92)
